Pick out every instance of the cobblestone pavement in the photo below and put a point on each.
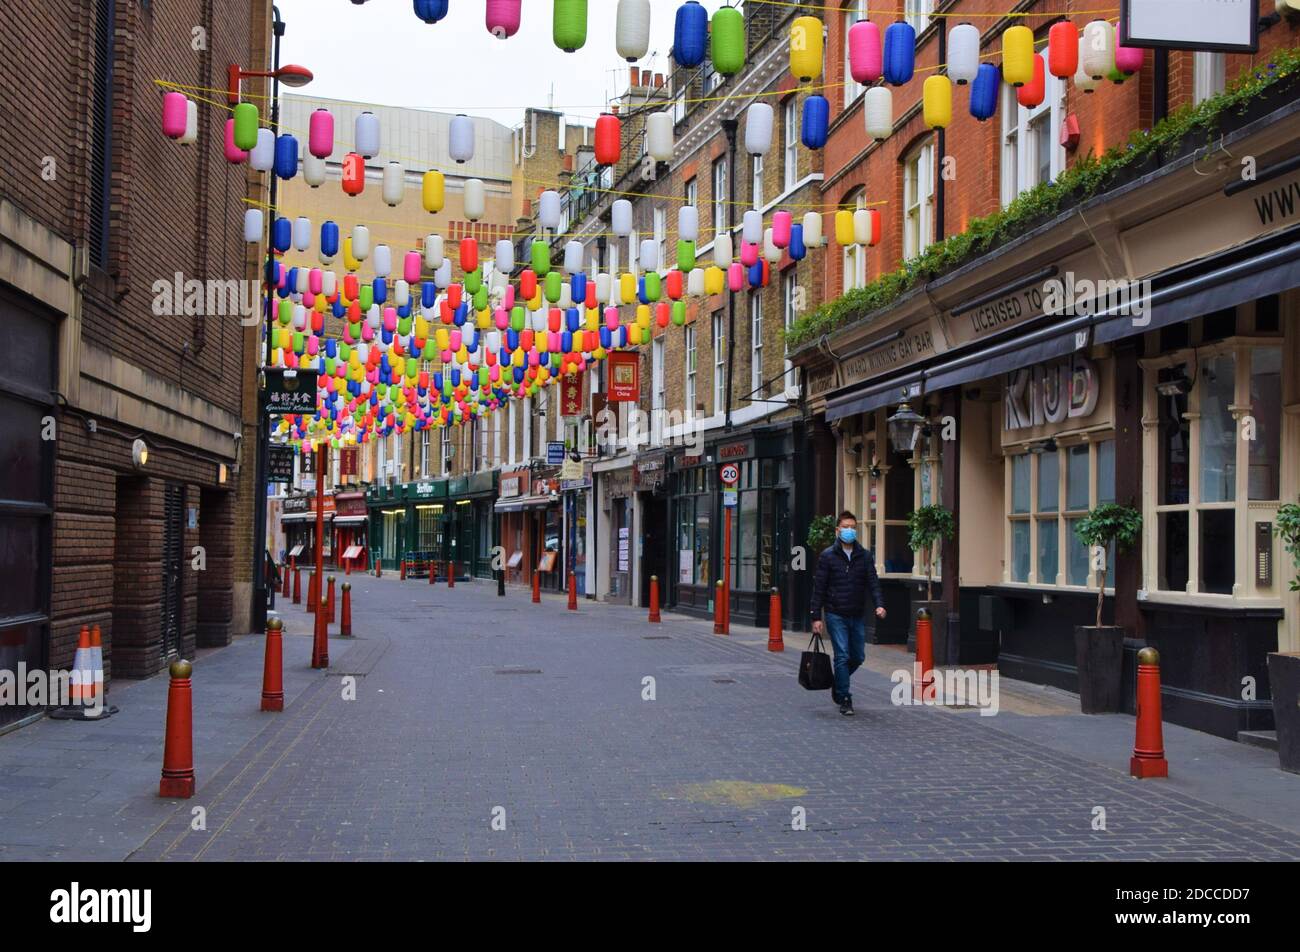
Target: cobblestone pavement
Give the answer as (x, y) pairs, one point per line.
(473, 711)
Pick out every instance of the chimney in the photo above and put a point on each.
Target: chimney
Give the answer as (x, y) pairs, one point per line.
(636, 77)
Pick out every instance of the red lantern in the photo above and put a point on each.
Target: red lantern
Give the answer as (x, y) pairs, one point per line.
(1031, 94)
(674, 284)
(554, 320)
(591, 301)
(528, 284)
(354, 174)
(663, 313)
(1063, 49)
(608, 139)
(351, 287)
(453, 296)
(526, 340)
(468, 254)
(445, 312)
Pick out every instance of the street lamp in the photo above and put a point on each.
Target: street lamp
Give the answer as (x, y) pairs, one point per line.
(289, 75)
(904, 427)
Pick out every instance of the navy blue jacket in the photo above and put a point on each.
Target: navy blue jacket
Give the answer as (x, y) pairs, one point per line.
(843, 585)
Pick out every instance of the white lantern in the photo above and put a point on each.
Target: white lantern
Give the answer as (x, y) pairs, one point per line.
(262, 155)
(300, 281)
(253, 225)
(1083, 80)
(812, 230)
(573, 254)
(539, 320)
(649, 257)
(770, 251)
(301, 233)
(695, 282)
(753, 226)
(313, 170)
(191, 132)
(461, 138)
(615, 292)
(360, 242)
(659, 136)
(963, 53)
(1097, 54)
(566, 298)
(632, 29)
(383, 263)
(878, 108)
(722, 256)
(433, 252)
(329, 282)
(367, 135)
(475, 199)
(394, 184)
(603, 285)
(374, 318)
(323, 257)
(401, 292)
(758, 128)
(505, 256)
(299, 317)
(442, 277)
(688, 223)
(621, 218)
(548, 209)
(862, 220)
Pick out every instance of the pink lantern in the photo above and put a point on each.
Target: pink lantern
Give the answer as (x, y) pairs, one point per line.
(320, 138)
(234, 154)
(509, 300)
(315, 280)
(748, 253)
(390, 319)
(611, 318)
(864, 51)
(502, 319)
(503, 18)
(1128, 59)
(736, 276)
(411, 268)
(174, 109)
(781, 225)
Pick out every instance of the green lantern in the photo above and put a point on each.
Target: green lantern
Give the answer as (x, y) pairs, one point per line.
(554, 286)
(518, 318)
(245, 126)
(653, 286)
(727, 48)
(474, 281)
(679, 313)
(541, 254)
(481, 299)
(686, 253)
(569, 28)
(366, 299)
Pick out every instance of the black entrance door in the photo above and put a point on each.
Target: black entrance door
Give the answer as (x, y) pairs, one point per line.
(654, 541)
(173, 540)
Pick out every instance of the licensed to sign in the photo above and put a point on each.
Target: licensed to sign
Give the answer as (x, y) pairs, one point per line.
(729, 474)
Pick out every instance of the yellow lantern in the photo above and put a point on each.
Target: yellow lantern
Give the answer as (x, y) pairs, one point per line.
(349, 262)
(435, 191)
(844, 228)
(714, 280)
(643, 315)
(806, 48)
(1018, 55)
(937, 94)
(535, 303)
(634, 333)
(627, 287)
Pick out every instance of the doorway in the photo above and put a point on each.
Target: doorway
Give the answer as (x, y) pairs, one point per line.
(172, 560)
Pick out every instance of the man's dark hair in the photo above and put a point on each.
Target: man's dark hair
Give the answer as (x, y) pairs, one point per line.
(846, 515)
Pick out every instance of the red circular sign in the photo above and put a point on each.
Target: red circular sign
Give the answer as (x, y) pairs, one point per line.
(730, 474)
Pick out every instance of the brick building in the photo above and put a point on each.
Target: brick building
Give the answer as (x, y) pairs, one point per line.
(128, 417)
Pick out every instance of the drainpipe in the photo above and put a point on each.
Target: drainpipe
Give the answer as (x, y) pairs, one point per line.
(729, 126)
(943, 144)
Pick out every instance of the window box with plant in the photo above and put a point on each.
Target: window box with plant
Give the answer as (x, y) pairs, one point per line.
(1284, 667)
(1099, 649)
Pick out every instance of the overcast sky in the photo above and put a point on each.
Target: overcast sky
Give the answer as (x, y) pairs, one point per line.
(381, 52)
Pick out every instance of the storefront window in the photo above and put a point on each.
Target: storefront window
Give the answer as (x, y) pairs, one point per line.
(1218, 430)
(1266, 410)
(703, 539)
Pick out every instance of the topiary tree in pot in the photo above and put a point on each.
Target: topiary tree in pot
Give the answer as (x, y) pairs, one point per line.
(821, 534)
(928, 526)
(1099, 649)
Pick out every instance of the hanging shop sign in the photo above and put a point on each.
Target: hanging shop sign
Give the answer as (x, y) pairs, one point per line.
(1063, 394)
(280, 464)
(572, 393)
(736, 450)
(514, 483)
(1222, 25)
(290, 391)
(648, 471)
(348, 462)
(554, 453)
(624, 377)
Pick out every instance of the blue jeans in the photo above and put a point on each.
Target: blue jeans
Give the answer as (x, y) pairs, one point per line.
(849, 641)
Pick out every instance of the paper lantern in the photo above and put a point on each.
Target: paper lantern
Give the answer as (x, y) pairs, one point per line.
(234, 154)
(281, 234)
(548, 209)
(573, 256)
(503, 18)
(759, 118)
(771, 251)
(262, 155)
(984, 92)
(685, 254)
(609, 136)
(878, 111)
(782, 222)
(394, 184)
(433, 191)
(900, 53)
(475, 199)
(722, 250)
(688, 223)
(468, 254)
(749, 251)
(1017, 55)
(460, 139)
(329, 239)
(937, 101)
(659, 135)
(569, 26)
(621, 218)
(727, 41)
(354, 174)
(806, 48)
(736, 276)
(431, 11)
(313, 170)
(963, 53)
(752, 230)
(505, 256)
(632, 29)
(286, 156)
(173, 114)
(320, 135)
(690, 34)
(865, 58)
(844, 233)
(1063, 49)
(433, 252)
(1083, 80)
(1128, 59)
(866, 227)
(540, 254)
(253, 225)
(813, 230)
(301, 233)
(383, 260)
(360, 242)
(1032, 94)
(648, 258)
(816, 120)
(796, 249)
(1097, 54)
(367, 135)
(246, 127)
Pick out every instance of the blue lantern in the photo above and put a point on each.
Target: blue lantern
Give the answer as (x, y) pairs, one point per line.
(512, 343)
(331, 347)
(462, 313)
(796, 248)
(286, 156)
(329, 239)
(428, 295)
(572, 319)
(690, 34)
(380, 287)
(756, 274)
(578, 287)
(430, 11)
(984, 92)
(338, 310)
(605, 337)
(816, 118)
(282, 234)
(900, 53)
(519, 375)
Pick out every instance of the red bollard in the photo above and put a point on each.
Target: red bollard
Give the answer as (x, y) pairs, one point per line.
(313, 592)
(654, 600)
(403, 570)
(717, 609)
(287, 570)
(433, 571)
(178, 743)
(345, 612)
(1149, 747)
(297, 586)
(451, 574)
(924, 654)
(537, 587)
(273, 667)
(775, 640)
(379, 568)
(347, 567)
(330, 601)
(320, 647)
(573, 592)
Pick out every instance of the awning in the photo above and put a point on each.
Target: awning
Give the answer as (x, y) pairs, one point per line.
(305, 517)
(873, 397)
(520, 503)
(1043, 345)
(350, 520)
(1259, 274)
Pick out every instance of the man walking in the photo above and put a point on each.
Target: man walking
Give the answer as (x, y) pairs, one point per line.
(846, 576)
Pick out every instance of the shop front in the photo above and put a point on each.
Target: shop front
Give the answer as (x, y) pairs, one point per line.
(576, 494)
(471, 519)
(351, 530)
(532, 535)
(653, 481)
(617, 532)
(299, 524)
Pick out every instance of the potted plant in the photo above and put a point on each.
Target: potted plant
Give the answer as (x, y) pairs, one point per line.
(821, 536)
(1284, 667)
(1099, 649)
(929, 526)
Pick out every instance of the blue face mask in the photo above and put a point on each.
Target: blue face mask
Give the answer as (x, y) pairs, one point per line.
(848, 536)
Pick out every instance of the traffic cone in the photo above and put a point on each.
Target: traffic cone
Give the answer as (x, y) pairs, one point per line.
(97, 664)
(345, 612)
(273, 667)
(83, 675)
(178, 742)
(775, 640)
(654, 600)
(1149, 746)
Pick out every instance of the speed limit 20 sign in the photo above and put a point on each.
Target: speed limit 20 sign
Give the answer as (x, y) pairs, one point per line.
(729, 474)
